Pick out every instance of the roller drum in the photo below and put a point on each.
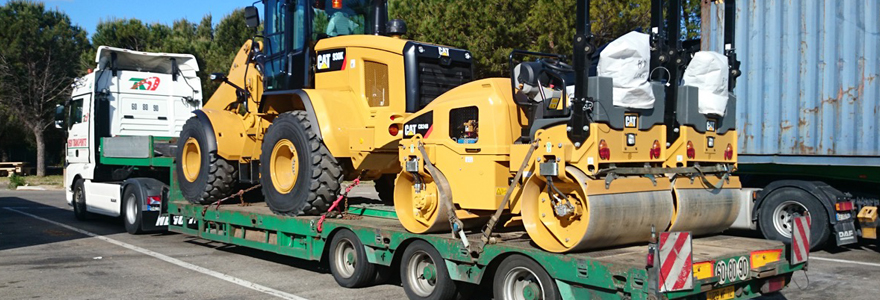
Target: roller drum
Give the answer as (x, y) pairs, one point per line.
(702, 209)
(621, 214)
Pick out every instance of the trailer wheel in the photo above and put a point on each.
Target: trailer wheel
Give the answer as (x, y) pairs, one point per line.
(519, 277)
(782, 205)
(385, 188)
(132, 213)
(348, 261)
(203, 176)
(298, 173)
(79, 201)
(424, 275)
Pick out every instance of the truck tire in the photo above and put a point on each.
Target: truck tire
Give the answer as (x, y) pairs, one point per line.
(132, 214)
(298, 173)
(781, 205)
(203, 176)
(348, 261)
(79, 201)
(424, 275)
(519, 277)
(385, 188)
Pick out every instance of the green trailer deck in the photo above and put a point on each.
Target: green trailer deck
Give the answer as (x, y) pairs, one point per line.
(615, 273)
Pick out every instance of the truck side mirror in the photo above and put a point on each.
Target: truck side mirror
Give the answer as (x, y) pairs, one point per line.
(218, 77)
(59, 116)
(251, 17)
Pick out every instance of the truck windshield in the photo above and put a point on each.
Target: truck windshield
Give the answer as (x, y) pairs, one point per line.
(343, 17)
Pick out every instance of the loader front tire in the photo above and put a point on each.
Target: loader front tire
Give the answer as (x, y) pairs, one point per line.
(298, 173)
(203, 176)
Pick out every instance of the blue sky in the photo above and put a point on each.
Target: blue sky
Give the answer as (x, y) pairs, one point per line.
(87, 13)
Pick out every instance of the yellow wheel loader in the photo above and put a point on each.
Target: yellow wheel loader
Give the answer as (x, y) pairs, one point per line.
(319, 99)
(553, 149)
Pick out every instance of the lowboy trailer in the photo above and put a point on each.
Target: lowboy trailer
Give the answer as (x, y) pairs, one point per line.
(373, 241)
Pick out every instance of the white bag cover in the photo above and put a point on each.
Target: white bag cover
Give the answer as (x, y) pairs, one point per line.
(709, 71)
(626, 61)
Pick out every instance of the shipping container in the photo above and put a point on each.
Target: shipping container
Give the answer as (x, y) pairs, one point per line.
(806, 113)
(810, 89)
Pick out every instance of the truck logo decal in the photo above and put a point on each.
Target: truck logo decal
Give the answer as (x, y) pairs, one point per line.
(145, 84)
(77, 143)
(331, 60)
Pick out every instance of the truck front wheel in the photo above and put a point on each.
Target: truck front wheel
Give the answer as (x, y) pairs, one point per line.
(782, 206)
(298, 173)
(203, 176)
(79, 201)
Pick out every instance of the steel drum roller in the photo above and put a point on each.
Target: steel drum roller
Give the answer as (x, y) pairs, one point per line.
(622, 214)
(702, 209)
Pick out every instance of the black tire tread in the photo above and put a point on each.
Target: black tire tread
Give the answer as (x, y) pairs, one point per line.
(820, 230)
(221, 174)
(326, 177)
(385, 188)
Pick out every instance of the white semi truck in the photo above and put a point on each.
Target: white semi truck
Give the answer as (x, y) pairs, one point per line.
(123, 121)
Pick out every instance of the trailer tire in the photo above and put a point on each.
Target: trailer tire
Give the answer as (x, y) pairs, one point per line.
(202, 175)
(781, 205)
(424, 275)
(132, 212)
(385, 188)
(519, 277)
(348, 261)
(79, 201)
(315, 178)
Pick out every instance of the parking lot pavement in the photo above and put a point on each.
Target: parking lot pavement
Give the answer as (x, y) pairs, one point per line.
(46, 253)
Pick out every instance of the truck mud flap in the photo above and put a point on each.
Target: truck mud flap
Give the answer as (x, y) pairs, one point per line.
(845, 232)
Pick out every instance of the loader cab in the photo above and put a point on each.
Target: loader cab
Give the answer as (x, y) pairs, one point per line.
(292, 27)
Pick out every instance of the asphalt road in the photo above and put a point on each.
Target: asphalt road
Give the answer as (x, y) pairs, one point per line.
(46, 253)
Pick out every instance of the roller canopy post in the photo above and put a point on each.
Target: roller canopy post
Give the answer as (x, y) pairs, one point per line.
(583, 50)
(730, 42)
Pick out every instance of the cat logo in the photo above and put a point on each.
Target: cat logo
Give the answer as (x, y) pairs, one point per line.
(444, 51)
(631, 120)
(330, 60)
(324, 61)
(710, 125)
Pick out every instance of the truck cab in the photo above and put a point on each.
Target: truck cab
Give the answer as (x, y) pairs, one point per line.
(122, 121)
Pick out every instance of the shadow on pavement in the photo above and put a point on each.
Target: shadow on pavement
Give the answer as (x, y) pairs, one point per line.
(18, 230)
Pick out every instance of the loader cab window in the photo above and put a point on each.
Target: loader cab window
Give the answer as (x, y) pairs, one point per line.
(464, 125)
(285, 31)
(342, 17)
(76, 113)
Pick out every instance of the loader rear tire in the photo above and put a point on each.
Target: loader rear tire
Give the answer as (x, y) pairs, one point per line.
(385, 188)
(203, 176)
(298, 173)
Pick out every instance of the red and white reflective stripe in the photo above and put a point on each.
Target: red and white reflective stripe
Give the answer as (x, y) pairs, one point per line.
(676, 262)
(800, 239)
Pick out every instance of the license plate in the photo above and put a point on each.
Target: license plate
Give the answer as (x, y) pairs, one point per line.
(721, 294)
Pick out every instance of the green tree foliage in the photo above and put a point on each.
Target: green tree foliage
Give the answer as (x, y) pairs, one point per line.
(492, 28)
(230, 35)
(35, 69)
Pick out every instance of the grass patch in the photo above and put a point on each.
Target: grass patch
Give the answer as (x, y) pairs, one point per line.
(16, 181)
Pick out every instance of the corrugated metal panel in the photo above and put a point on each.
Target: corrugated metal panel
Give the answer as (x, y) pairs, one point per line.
(810, 76)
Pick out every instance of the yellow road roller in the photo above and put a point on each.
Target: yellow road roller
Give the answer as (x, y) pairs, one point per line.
(579, 160)
(702, 138)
